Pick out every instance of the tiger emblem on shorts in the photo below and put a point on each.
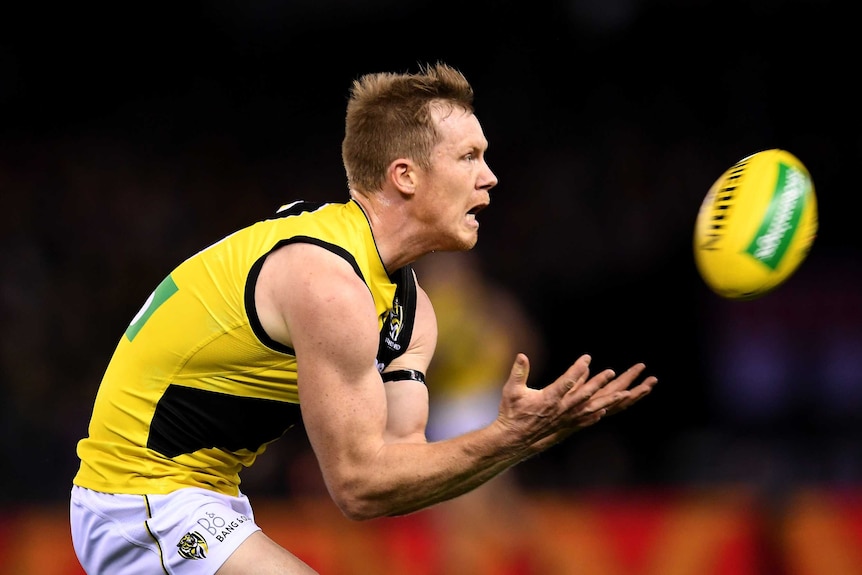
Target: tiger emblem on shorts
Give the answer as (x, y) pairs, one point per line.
(193, 546)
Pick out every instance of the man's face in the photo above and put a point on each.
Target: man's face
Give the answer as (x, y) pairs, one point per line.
(458, 184)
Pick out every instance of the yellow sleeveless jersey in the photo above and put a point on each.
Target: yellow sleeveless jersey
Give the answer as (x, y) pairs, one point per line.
(196, 390)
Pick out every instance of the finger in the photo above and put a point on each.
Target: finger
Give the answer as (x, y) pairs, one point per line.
(618, 394)
(591, 418)
(635, 394)
(591, 394)
(627, 377)
(573, 378)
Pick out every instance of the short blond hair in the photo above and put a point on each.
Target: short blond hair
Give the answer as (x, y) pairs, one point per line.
(389, 116)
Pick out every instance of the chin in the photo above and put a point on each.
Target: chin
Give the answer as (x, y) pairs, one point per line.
(457, 245)
(468, 244)
(458, 240)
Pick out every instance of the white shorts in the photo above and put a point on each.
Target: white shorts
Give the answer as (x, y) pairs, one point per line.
(188, 532)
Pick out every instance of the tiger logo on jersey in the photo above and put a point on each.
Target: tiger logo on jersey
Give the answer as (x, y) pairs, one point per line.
(396, 321)
(193, 546)
(396, 330)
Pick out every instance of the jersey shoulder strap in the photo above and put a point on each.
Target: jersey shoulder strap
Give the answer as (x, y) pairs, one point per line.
(398, 326)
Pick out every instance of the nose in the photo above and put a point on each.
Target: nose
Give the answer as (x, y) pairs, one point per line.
(489, 179)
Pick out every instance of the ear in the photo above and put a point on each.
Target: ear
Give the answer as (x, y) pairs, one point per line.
(403, 175)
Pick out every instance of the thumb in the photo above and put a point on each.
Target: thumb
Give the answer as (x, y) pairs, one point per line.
(520, 370)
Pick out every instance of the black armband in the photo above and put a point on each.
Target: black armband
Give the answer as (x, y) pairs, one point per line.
(402, 374)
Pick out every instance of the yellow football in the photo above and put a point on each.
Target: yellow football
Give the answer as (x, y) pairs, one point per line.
(756, 225)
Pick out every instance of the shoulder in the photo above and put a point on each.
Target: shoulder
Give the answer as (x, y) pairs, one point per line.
(306, 288)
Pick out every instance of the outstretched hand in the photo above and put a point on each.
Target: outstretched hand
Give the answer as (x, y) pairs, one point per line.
(571, 402)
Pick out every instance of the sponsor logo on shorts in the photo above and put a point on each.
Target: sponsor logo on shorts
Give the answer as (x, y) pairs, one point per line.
(193, 546)
(219, 527)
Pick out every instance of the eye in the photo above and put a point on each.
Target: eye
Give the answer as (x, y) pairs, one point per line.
(474, 155)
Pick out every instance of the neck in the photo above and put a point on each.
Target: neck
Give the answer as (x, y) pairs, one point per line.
(394, 230)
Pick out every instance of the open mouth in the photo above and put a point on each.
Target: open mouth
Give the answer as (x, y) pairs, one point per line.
(476, 209)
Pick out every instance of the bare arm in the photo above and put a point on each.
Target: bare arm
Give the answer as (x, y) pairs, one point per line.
(369, 437)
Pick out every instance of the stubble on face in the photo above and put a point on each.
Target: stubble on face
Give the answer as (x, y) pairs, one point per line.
(453, 193)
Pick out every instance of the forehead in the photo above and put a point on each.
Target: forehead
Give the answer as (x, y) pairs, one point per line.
(458, 127)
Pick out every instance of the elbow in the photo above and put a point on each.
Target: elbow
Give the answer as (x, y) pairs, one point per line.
(359, 502)
(357, 513)
(357, 507)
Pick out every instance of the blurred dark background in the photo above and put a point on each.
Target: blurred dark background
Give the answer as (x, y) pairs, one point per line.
(134, 134)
